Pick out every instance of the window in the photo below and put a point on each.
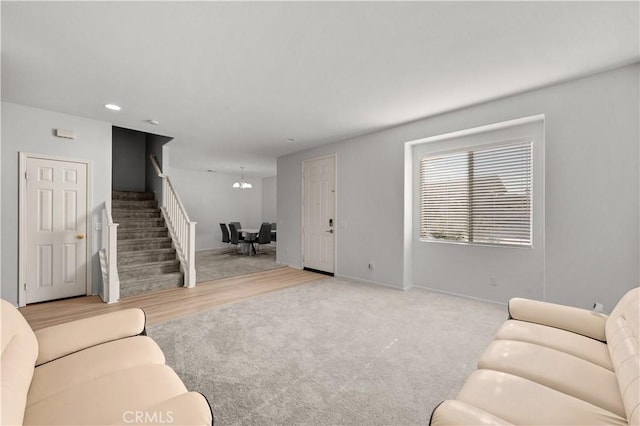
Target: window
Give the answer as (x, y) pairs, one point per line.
(478, 196)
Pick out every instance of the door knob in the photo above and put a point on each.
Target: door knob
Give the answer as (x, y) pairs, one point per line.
(80, 236)
(330, 231)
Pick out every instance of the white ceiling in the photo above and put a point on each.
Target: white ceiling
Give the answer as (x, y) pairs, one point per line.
(233, 81)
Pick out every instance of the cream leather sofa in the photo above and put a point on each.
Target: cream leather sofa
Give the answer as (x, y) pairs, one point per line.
(552, 364)
(99, 370)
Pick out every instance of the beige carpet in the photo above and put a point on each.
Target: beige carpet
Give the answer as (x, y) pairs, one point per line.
(223, 263)
(330, 352)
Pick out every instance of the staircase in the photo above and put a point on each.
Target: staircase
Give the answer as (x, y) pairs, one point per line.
(146, 259)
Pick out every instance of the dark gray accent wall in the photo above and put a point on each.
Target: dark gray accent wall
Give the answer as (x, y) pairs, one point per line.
(128, 167)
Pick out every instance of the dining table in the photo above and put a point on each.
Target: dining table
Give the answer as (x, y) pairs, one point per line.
(249, 235)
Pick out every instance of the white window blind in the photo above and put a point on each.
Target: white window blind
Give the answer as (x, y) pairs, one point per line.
(478, 196)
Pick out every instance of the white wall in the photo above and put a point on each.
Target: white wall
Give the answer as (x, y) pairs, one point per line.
(269, 198)
(210, 200)
(591, 186)
(30, 130)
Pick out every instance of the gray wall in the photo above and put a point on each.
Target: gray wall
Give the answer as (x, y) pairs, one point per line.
(30, 130)
(369, 206)
(269, 199)
(498, 272)
(591, 191)
(129, 161)
(210, 200)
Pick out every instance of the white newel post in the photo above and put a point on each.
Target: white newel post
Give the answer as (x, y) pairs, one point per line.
(114, 279)
(190, 280)
(109, 257)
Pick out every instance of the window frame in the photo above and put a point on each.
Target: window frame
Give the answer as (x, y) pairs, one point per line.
(466, 148)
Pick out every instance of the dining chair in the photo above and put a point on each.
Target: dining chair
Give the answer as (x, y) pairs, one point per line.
(225, 233)
(264, 236)
(274, 234)
(238, 227)
(235, 240)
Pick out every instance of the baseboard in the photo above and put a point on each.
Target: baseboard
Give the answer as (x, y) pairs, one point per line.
(465, 296)
(349, 277)
(214, 248)
(290, 266)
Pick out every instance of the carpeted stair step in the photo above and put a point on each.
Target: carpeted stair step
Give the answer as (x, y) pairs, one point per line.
(119, 214)
(131, 195)
(143, 244)
(146, 270)
(134, 204)
(147, 261)
(129, 223)
(142, 233)
(132, 287)
(144, 256)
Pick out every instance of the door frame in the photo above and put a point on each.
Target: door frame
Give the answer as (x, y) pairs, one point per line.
(22, 200)
(335, 209)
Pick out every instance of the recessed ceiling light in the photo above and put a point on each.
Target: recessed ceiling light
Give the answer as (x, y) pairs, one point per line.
(291, 140)
(112, 107)
(154, 122)
(211, 171)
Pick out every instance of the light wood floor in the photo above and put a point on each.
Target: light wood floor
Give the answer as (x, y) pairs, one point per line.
(173, 303)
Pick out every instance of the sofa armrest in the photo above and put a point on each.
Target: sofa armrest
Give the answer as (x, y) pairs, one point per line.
(64, 339)
(454, 412)
(580, 321)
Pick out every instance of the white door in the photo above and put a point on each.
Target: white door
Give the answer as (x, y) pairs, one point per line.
(318, 219)
(55, 228)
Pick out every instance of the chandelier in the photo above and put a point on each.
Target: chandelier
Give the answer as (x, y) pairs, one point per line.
(242, 184)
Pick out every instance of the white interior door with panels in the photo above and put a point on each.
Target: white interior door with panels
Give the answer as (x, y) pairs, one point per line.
(318, 216)
(54, 221)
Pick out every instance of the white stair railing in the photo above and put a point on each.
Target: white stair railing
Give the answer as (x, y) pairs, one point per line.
(109, 257)
(181, 229)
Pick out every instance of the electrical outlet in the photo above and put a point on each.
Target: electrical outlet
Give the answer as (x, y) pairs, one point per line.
(372, 265)
(493, 281)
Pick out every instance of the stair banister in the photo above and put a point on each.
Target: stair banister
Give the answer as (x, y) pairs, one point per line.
(156, 167)
(181, 229)
(109, 257)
